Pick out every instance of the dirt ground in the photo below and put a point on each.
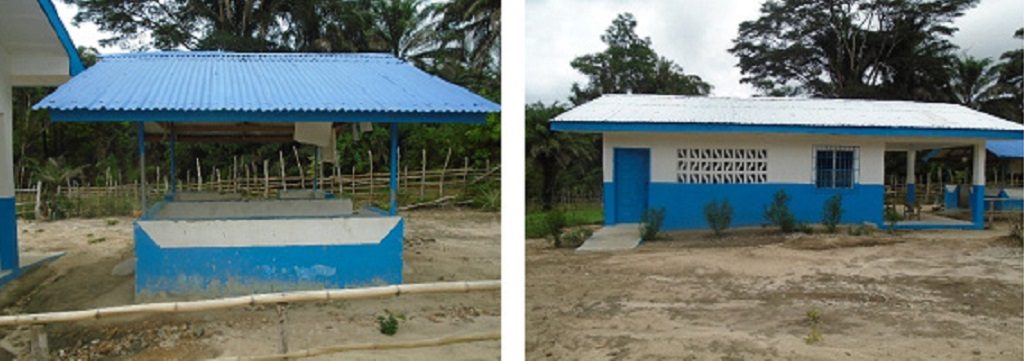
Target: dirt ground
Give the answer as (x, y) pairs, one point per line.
(441, 245)
(946, 295)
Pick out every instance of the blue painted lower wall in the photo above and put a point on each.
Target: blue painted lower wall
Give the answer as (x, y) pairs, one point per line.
(8, 235)
(978, 206)
(217, 271)
(684, 203)
(951, 196)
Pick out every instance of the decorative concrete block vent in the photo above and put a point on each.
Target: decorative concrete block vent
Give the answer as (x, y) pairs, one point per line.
(216, 248)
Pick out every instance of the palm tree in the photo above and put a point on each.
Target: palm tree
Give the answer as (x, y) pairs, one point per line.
(404, 28)
(974, 82)
(51, 174)
(476, 25)
(553, 151)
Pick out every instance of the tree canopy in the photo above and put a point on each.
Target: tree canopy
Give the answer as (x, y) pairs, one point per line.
(630, 65)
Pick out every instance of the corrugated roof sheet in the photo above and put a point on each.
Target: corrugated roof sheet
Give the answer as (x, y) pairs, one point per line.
(1006, 148)
(637, 108)
(260, 82)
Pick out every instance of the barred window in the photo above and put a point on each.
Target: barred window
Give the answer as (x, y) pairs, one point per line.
(835, 167)
(722, 166)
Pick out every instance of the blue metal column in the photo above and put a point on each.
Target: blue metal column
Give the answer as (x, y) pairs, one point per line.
(978, 186)
(141, 134)
(174, 167)
(393, 183)
(911, 177)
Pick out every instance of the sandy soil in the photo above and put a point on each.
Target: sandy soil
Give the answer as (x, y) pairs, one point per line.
(947, 295)
(441, 245)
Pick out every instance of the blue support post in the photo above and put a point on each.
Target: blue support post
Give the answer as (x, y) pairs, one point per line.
(978, 186)
(8, 235)
(174, 167)
(911, 177)
(393, 184)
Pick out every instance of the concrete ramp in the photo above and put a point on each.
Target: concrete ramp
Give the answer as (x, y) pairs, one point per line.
(613, 238)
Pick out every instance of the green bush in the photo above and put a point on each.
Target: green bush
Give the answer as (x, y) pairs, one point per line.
(554, 222)
(650, 223)
(891, 217)
(576, 236)
(832, 213)
(388, 323)
(718, 215)
(860, 230)
(777, 213)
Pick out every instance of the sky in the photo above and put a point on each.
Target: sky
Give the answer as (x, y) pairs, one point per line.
(693, 33)
(696, 35)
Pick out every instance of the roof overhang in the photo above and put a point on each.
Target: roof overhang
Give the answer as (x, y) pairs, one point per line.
(35, 44)
(620, 126)
(265, 117)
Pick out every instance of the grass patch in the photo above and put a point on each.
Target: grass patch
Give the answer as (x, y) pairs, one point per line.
(574, 216)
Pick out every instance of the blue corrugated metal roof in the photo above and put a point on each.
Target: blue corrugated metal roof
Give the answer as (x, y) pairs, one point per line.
(205, 84)
(1006, 148)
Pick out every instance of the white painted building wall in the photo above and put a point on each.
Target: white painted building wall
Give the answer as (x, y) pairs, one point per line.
(6, 127)
(790, 156)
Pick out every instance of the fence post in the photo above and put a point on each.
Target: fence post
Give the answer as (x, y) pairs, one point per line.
(353, 183)
(465, 174)
(440, 187)
(39, 197)
(266, 178)
(282, 320)
(39, 345)
(234, 173)
(284, 176)
(423, 173)
(371, 176)
(298, 162)
(199, 176)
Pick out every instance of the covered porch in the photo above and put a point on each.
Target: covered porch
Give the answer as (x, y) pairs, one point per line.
(917, 212)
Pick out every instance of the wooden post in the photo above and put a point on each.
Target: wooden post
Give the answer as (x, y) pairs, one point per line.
(423, 173)
(188, 178)
(370, 152)
(298, 162)
(405, 181)
(157, 180)
(353, 181)
(234, 173)
(38, 210)
(440, 186)
(465, 173)
(282, 321)
(216, 171)
(199, 175)
(266, 178)
(284, 176)
(39, 345)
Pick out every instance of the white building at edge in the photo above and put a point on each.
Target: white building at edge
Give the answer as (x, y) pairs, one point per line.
(35, 50)
(680, 153)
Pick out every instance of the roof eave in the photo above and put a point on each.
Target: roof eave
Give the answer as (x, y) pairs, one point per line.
(266, 116)
(598, 126)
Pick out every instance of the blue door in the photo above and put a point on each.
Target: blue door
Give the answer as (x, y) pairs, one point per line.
(632, 175)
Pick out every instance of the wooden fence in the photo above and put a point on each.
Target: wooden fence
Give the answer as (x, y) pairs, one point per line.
(38, 321)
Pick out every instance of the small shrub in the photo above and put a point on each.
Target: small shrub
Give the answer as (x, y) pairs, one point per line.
(1017, 229)
(891, 217)
(111, 222)
(832, 214)
(860, 230)
(650, 223)
(814, 316)
(554, 222)
(804, 228)
(718, 215)
(815, 336)
(388, 323)
(777, 213)
(576, 236)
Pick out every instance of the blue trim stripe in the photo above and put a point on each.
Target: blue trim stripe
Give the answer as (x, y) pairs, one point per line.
(581, 126)
(272, 117)
(75, 64)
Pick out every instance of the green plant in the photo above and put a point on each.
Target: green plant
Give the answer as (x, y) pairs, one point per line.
(97, 240)
(576, 236)
(650, 223)
(777, 213)
(1017, 229)
(832, 213)
(554, 222)
(815, 336)
(804, 228)
(388, 323)
(718, 215)
(111, 222)
(860, 230)
(891, 217)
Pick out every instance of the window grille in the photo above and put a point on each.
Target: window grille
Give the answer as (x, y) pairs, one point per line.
(835, 166)
(722, 166)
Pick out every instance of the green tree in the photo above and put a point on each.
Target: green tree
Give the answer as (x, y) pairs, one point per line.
(551, 152)
(896, 49)
(630, 65)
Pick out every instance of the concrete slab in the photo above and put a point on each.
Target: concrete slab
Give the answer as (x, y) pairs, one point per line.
(613, 238)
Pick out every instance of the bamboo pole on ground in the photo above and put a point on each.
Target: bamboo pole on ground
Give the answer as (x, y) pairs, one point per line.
(252, 300)
(430, 342)
(440, 187)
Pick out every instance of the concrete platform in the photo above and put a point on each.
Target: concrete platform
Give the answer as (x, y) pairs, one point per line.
(29, 261)
(613, 238)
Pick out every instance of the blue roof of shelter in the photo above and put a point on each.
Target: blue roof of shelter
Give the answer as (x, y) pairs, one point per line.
(272, 87)
(1006, 148)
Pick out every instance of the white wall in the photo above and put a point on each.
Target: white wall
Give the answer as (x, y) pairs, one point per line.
(789, 156)
(6, 128)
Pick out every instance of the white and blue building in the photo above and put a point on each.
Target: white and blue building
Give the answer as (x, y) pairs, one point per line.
(35, 50)
(679, 153)
(208, 245)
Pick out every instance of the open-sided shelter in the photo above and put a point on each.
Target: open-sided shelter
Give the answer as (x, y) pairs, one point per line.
(35, 50)
(679, 153)
(209, 247)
